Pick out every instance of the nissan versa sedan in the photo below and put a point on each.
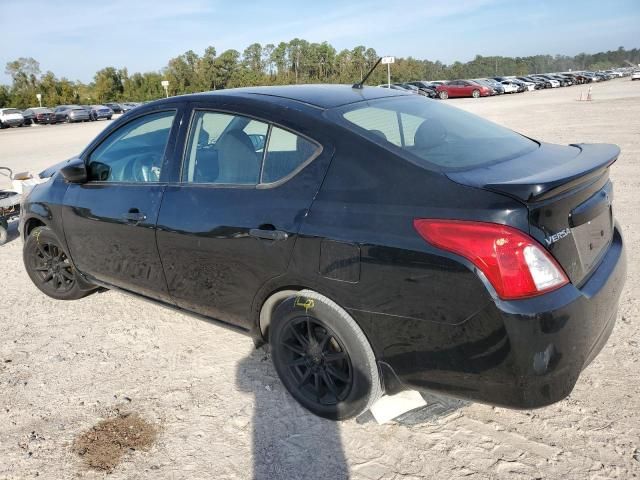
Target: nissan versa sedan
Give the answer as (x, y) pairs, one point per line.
(378, 240)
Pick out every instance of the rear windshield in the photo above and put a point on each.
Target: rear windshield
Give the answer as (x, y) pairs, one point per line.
(433, 133)
(10, 110)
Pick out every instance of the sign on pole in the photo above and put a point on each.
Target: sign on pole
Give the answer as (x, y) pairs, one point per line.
(388, 61)
(165, 84)
(39, 97)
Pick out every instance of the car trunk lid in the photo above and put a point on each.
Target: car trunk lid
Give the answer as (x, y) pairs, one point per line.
(568, 194)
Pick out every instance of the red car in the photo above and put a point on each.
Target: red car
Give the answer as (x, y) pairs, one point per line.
(462, 88)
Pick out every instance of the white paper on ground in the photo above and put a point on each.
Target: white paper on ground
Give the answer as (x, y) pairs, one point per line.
(389, 407)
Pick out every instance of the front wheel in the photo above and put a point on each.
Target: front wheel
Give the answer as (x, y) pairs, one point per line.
(475, 93)
(49, 267)
(443, 95)
(322, 357)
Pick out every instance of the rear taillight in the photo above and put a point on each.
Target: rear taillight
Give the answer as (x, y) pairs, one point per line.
(516, 265)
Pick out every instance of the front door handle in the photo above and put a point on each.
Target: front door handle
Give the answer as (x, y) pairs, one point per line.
(268, 234)
(134, 216)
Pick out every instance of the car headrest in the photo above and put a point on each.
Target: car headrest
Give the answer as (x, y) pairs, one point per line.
(379, 133)
(237, 159)
(430, 134)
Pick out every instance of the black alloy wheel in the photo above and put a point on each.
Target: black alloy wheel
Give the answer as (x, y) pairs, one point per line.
(317, 361)
(53, 267)
(49, 266)
(323, 357)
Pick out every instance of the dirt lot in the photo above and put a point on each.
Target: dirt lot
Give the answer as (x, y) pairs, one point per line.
(217, 405)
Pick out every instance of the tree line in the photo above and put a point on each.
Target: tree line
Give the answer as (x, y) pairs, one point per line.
(296, 61)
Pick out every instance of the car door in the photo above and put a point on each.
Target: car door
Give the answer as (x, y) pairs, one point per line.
(466, 89)
(229, 224)
(109, 221)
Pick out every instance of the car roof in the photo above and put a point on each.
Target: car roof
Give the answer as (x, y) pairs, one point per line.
(321, 96)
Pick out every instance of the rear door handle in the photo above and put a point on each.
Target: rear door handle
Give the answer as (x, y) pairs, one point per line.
(134, 216)
(268, 234)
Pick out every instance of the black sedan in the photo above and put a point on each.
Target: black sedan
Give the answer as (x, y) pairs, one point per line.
(377, 239)
(40, 115)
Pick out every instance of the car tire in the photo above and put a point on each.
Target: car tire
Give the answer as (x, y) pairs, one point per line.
(323, 357)
(67, 119)
(49, 266)
(443, 95)
(4, 231)
(475, 94)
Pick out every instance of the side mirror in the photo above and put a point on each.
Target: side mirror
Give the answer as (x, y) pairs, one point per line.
(75, 173)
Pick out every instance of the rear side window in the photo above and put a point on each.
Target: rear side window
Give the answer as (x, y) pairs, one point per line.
(434, 134)
(286, 152)
(236, 150)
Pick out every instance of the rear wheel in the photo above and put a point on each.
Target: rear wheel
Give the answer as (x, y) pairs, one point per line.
(322, 357)
(49, 267)
(475, 93)
(4, 228)
(443, 95)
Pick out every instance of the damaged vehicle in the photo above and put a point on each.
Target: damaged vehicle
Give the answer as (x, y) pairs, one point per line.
(378, 240)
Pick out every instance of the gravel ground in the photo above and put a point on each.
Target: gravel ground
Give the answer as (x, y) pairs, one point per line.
(217, 404)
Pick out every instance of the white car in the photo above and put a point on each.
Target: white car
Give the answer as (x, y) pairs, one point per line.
(635, 75)
(10, 117)
(509, 87)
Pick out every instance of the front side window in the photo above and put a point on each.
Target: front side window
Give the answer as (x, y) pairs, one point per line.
(433, 133)
(134, 152)
(235, 150)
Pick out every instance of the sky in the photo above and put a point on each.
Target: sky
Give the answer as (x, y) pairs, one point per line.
(75, 38)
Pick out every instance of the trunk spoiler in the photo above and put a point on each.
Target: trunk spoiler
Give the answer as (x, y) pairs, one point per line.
(543, 173)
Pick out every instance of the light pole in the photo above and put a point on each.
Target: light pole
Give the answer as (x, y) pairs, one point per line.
(165, 84)
(39, 97)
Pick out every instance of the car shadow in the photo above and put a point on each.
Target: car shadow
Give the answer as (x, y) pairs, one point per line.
(288, 441)
(12, 232)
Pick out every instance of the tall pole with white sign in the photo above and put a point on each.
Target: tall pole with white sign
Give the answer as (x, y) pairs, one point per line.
(388, 61)
(39, 97)
(165, 84)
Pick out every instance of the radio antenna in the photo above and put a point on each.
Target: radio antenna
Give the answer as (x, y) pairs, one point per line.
(364, 79)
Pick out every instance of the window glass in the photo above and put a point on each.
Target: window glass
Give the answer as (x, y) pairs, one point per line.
(224, 148)
(286, 151)
(134, 152)
(382, 122)
(435, 133)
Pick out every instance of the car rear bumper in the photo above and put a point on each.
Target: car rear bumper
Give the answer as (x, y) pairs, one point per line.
(518, 354)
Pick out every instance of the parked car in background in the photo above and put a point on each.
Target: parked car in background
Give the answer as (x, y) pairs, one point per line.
(408, 88)
(115, 107)
(510, 86)
(552, 82)
(495, 87)
(426, 88)
(71, 113)
(41, 115)
(393, 87)
(524, 86)
(462, 88)
(10, 117)
(127, 106)
(28, 118)
(635, 75)
(379, 241)
(98, 112)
